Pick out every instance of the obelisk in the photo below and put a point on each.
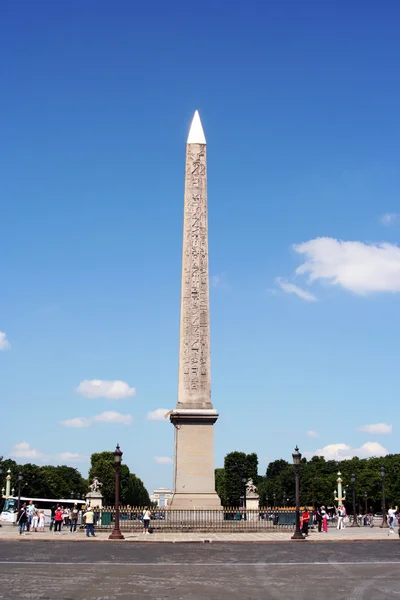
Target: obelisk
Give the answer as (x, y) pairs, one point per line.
(194, 416)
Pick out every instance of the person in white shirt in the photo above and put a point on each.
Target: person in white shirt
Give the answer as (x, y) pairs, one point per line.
(391, 517)
(146, 520)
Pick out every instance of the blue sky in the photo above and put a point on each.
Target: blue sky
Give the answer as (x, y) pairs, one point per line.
(299, 103)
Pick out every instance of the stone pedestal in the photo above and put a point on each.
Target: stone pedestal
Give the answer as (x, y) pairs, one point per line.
(94, 499)
(194, 482)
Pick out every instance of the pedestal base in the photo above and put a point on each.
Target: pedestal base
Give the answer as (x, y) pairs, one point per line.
(193, 500)
(194, 480)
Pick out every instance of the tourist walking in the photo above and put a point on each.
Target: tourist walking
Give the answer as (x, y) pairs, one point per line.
(22, 518)
(73, 518)
(89, 521)
(58, 518)
(391, 517)
(146, 520)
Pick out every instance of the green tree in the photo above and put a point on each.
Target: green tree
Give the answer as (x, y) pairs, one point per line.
(132, 490)
(220, 485)
(238, 466)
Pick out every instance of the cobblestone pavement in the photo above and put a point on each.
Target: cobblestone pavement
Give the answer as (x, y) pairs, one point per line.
(348, 534)
(63, 570)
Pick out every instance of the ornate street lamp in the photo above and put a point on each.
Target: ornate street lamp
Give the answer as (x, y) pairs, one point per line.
(19, 489)
(355, 520)
(366, 502)
(296, 461)
(384, 520)
(116, 533)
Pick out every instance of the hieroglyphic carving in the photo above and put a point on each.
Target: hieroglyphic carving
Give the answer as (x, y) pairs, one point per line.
(194, 361)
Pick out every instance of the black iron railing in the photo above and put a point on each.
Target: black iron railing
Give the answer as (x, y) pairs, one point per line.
(202, 520)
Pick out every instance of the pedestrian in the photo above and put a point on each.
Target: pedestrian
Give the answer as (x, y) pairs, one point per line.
(146, 520)
(59, 516)
(89, 521)
(66, 516)
(73, 518)
(53, 516)
(22, 518)
(318, 518)
(391, 518)
(34, 518)
(41, 521)
(324, 519)
(305, 517)
(29, 509)
(340, 516)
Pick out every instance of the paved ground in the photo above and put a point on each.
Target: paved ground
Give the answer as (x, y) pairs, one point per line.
(350, 533)
(68, 571)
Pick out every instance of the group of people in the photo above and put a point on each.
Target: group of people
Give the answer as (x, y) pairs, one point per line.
(30, 518)
(320, 517)
(64, 518)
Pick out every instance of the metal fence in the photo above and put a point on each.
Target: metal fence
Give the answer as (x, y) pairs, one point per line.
(202, 520)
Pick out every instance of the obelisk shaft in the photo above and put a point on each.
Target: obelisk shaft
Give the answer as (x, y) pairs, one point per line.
(194, 386)
(194, 416)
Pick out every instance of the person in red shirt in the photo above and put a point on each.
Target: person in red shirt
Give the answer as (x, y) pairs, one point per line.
(59, 517)
(305, 518)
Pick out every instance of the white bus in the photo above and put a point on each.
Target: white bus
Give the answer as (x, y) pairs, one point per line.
(10, 508)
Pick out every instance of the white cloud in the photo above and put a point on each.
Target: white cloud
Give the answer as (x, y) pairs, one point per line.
(312, 434)
(389, 218)
(98, 388)
(23, 450)
(77, 422)
(158, 414)
(383, 428)
(215, 280)
(163, 460)
(111, 416)
(4, 343)
(71, 457)
(290, 288)
(358, 267)
(345, 452)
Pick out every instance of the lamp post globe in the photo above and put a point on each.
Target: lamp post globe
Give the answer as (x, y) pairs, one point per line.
(116, 533)
(296, 461)
(384, 519)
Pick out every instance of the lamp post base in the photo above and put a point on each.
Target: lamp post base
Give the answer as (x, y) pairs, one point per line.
(384, 524)
(116, 535)
(297, 536)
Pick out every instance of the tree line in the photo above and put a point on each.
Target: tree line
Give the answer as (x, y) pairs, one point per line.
(50, 481)
(318, 481)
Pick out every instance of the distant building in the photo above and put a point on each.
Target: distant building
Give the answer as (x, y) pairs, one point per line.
(161, 496)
